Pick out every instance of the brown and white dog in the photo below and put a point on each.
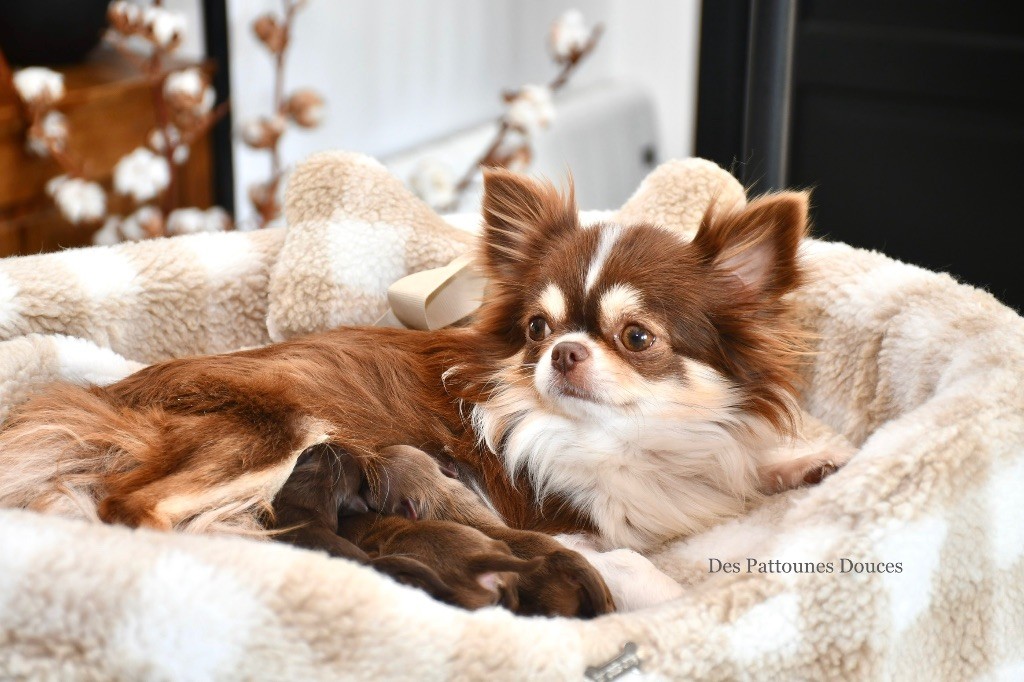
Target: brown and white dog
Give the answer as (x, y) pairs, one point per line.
(617, 379)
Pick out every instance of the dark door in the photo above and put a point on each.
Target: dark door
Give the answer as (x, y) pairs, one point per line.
(905, 117)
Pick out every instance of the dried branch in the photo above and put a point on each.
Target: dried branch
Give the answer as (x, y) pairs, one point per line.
(276, 35)
(34, 115)
(492, 155)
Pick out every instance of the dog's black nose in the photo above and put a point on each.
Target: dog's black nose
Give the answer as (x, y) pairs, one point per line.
(568, 354)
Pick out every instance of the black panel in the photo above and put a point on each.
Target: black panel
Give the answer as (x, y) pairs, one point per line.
(907, 119)
(991, 18)
(766, 128)
(723, 76)
(215, 21)
(933, 190)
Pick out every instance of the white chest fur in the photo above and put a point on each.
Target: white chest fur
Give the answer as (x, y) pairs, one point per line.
(641, 478)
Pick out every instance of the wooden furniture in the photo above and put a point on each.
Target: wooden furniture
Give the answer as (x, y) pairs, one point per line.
(109, 108)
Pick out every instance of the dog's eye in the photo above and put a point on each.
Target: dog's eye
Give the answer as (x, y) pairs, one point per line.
(636, 338)
(538, 328)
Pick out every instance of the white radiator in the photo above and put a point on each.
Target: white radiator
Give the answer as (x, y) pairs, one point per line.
(606, 134)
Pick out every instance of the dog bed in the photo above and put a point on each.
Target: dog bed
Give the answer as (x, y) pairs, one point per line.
(922, 374)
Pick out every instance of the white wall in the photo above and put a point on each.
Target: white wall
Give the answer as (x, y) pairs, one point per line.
(397, 73)
(656, 43)
(193, 47)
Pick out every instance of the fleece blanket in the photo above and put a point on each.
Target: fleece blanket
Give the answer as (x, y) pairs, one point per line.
(907, 562)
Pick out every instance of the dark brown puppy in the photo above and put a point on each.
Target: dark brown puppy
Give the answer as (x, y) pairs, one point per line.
(325, 484)
(403, 480)
(323, 505)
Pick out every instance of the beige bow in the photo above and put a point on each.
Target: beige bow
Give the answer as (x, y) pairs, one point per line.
(436, 298)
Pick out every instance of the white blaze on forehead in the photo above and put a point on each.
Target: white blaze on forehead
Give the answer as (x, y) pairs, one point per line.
(618, 301)
(552, 300)
(609, 235)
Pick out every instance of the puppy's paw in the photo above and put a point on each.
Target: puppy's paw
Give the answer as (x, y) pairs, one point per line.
(565, 584)
(400, 481)
(819, 472)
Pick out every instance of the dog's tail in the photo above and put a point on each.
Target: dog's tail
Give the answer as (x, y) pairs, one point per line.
(57, 449)
(63, 451)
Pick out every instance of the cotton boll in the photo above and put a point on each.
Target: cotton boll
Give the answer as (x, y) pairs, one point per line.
(531, 110)
(189, 97)
(193, 220)
(125, 17)
(206, 102)
(189, 82)
(52, 129)
(156, 142)
(259, 193)
(158, 137)
(78, 200)
(306, 108)
(433, 182)
(180, 155)
(54, 183)
(109, 234)
(262, 133)
(164, 28)
(38, 86)
(185, 221)
(141, 175)
(217, 219)
(569, 36)
(264, 197)
(271, 33)
(146, 222)
(515, 152)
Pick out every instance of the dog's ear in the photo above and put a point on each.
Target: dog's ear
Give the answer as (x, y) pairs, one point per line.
(521, 216)
(409, 571)
(758, 244)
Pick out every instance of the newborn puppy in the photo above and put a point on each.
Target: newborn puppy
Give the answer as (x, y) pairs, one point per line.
(478, 571)
(326, 482)
(553, 581)
(453, 563)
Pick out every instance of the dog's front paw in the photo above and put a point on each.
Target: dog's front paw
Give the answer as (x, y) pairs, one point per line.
(810, 470)
(635, 582)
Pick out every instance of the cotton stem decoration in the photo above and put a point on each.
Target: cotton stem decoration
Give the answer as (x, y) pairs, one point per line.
(148, 176)
(528, 110)
(39, 91)
(303, 107)
(184, 112)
